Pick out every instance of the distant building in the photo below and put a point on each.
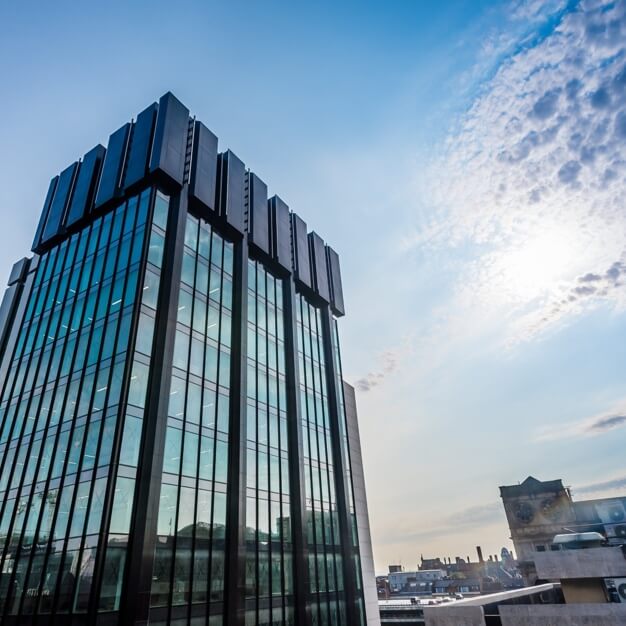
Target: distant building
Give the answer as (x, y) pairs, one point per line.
(435, 563)
(587, 586)
(457, 585)
(538, 510)
(416, 582)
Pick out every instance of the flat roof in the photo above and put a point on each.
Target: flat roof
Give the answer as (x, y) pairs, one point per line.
(502, 596)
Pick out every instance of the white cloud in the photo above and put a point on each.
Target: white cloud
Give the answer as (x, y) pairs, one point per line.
(534, 180)
(604, 487)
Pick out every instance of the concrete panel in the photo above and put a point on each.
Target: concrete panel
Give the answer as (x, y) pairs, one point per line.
(258, 213)
(109, 185)
(203, 168)
(300, 243)
(54, 224)
(280, 232)
(607, 562)
(139, 147)
(231, 186)
(320, 273)
(336, 286)
(608, 614)
(170, 138)
(85, 186)
(454, 616)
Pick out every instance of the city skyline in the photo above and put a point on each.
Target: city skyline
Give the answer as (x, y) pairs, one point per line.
(466, 161)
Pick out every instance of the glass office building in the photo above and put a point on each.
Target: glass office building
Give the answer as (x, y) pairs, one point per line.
(177, 445)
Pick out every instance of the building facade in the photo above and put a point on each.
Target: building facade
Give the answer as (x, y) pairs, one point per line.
(538, 510)
(177, 445)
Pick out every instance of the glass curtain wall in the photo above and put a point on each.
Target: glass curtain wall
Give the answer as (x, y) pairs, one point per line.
(60, 409)
(132, 426)
(268, 526)
(189, 553)
(326, 583)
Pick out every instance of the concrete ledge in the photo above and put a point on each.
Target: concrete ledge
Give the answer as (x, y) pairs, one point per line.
(563, 615)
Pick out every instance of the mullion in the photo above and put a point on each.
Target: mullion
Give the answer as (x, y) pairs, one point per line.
(184, 431)
(306, 337)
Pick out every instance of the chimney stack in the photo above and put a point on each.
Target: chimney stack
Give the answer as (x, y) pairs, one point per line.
(479, 551)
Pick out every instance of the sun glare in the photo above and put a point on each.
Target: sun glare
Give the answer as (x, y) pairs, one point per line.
(539, 263)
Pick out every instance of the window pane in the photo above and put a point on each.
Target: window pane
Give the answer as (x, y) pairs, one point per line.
(161, 205)
(221, 461)
(190, 454)
(186, 511)
(131, 441)
(138, 384)
(167, 510)
(122, 505)
(173, 440)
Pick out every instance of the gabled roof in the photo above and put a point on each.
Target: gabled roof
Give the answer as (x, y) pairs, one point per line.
(532, 486)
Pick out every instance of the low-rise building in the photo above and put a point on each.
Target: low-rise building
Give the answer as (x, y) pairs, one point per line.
(538, 510)
(419, 581)
(585, 586)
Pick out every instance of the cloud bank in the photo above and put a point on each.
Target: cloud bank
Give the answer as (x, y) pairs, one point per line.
(533, 179)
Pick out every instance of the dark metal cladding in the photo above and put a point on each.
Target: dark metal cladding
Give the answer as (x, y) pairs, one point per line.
(60, 202)
(139, 148)
(203, 167)
(299, 240)
(230, 192)
(170, 138)
(336, 286)
(112, 167)
(85, 186)
(10, 301)
(44, 212)
(19, 271)
(320, 273)
(280, 232)
(258, 213)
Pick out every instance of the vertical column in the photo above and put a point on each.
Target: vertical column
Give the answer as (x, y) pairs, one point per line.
(340, 463)
(368, 574)
(234, 612)
(296, 459)
(135, 603)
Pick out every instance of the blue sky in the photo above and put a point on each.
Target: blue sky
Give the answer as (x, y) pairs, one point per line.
(467, 160)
